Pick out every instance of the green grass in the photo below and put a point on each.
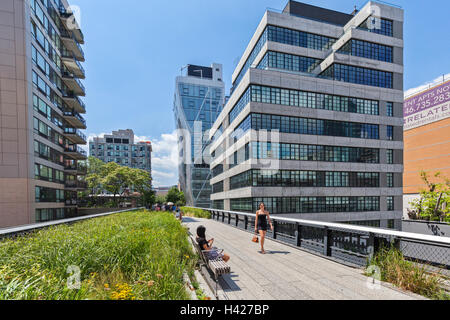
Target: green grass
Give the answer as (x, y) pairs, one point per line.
(407, 275)
(196, 213)
(127, 256)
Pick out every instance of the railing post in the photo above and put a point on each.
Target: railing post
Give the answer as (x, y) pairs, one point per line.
(229, 218)
(223, 217)
(327, 240)
(246, 222)
(237, 220)
(298, 235)
(274, 232)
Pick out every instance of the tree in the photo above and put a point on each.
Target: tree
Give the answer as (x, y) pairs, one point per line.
(173, 195)
(434, 202)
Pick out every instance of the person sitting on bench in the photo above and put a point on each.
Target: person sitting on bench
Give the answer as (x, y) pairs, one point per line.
(212, 252)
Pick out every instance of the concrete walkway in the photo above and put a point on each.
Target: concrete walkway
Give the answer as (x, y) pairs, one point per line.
(287, 273)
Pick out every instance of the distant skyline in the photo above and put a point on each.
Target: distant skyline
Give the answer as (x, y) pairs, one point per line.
(135, 51)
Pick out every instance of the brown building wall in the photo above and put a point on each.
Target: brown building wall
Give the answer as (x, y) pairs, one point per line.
(16, 183)
(427, 148)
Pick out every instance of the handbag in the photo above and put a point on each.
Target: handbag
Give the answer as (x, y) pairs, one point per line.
(255, 238)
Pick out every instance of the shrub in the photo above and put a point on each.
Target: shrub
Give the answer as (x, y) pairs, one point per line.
(196, 213)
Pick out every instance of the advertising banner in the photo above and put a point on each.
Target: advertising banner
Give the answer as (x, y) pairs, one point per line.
(427, 107)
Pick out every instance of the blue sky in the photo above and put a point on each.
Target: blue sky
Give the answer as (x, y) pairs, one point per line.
(135, 49)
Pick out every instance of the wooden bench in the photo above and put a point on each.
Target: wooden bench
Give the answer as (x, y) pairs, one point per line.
(217, 266)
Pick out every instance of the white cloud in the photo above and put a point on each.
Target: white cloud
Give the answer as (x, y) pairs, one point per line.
(427, 85)
(164, 159)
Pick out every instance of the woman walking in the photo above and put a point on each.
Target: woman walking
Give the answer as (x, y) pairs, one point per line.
(262, 217)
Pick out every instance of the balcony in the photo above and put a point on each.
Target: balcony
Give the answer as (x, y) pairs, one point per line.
(76, 185)
(73, 64)
(75, 169)
(75, 135)
(72, 44)
(74, 119)
(73, 84)
(67, 16)
(74, 102)
(75, 152)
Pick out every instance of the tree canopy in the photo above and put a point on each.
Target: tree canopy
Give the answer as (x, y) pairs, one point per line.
(118, 180)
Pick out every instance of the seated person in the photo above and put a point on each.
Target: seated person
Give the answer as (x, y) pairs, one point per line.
(213, 253)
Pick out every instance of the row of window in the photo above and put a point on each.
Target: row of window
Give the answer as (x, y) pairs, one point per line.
(359, 75)
(303, 152)
(49, 195)
(43, 151)
(51, 32)
(307, 126)
(286, 36)
(45, 110)
(49, 93)
(217, 187)
(43, 215)
(218, 204)
(378, 25)
(368, 50)
(305, 205)
(45, 173)
(290, 62)
(310, 179)
(49, 133)
(304, 99)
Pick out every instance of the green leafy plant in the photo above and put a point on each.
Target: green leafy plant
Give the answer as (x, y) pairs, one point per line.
(434, 202)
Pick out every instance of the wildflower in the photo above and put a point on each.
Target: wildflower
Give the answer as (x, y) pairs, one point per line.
(150, 283)
(160, 276)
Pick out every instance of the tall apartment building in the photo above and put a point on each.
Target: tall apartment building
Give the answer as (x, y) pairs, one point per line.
(120, 147)
(314, 127)
(427, 138)
(199, 99)
(40, 72)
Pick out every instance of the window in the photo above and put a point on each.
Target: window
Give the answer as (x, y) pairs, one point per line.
(359, 75)
(390, 156)
(390, 109)
(390, 180)
(390, 205)
(390, 133)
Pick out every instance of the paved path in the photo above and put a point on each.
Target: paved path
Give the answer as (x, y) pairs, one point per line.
(287, 273)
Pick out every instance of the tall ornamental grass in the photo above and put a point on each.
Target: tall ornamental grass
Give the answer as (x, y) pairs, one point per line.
(126, 256)
(407, 275)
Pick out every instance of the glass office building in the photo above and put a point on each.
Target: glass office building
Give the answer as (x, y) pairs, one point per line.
(199, 99)
(313, 127)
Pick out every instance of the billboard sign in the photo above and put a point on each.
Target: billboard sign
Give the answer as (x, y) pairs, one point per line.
(427, 107)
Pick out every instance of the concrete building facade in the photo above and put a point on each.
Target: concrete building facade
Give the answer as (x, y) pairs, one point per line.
(40, 111)
(314, 124)
(120, 147)
(199, 99)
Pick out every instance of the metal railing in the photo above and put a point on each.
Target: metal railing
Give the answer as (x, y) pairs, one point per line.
(72, 95)
(73, 131)
(345, 243)
(75, 149)
(20, 230)
(72, 113)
